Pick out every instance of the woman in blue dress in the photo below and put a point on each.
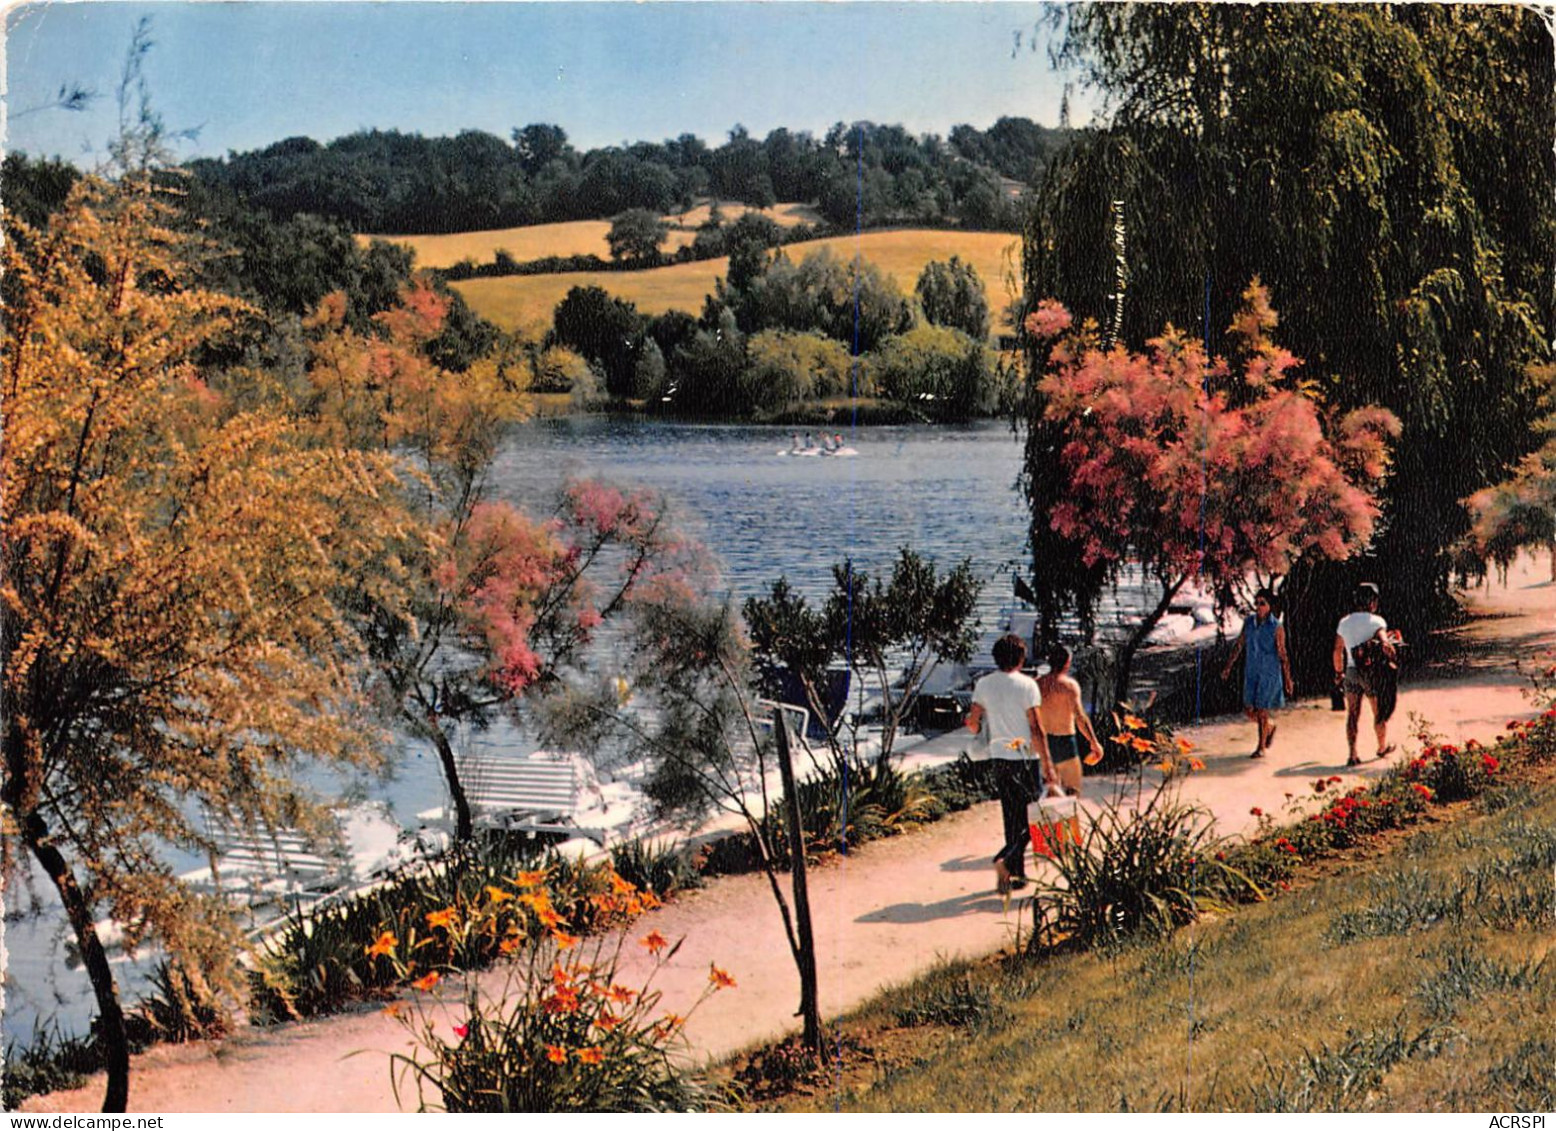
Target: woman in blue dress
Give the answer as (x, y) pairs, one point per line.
(1267, 674)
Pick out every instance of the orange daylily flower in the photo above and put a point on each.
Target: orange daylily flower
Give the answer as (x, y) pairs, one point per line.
(590, 1055)
(654, 941)
(556, 1054)
(1134, 722)
(1143, 745)
(427, 981)
(622, 995)
(1196, 764)
(563, 1001)
(720, 979)
(498, 895)
(563, 940)
(395, 1008)
(607, 1021)
(530, 879)
(1184, 745)
(510, 944)
(385, 945)
(444, 918)
(621, 886)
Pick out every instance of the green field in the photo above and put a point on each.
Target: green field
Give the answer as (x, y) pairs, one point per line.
(528, 300)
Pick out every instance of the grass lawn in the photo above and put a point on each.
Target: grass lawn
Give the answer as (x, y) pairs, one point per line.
(527, 300)
(1412, 975)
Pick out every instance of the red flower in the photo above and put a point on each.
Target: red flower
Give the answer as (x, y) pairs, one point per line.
(1490, 763)
(461, 1031)
(1256, 811)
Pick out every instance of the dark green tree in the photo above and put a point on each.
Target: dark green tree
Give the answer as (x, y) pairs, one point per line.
(636, 236)
(606, 330)
(951, 294)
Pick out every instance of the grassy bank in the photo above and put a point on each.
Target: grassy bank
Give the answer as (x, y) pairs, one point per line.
(1411, 971)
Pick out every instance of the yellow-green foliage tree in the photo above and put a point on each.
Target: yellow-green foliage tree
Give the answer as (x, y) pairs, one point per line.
(170, 634)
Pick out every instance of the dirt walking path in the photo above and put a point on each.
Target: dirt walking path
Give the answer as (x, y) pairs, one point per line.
(885, 912)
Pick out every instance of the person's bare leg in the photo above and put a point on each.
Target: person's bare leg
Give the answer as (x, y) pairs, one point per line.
(1069, 772)
(1380, 729)
(1352, 723)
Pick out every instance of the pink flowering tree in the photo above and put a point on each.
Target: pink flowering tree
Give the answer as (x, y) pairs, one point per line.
(480, 606)
(1202, 468)
(511, 604)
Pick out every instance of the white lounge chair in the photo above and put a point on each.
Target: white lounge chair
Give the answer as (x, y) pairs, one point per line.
(543, 792)
(259, 865)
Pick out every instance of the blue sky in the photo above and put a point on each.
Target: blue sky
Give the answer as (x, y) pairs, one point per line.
(248, 74)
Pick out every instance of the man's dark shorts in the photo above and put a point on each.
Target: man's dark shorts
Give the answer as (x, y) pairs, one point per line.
(1063, 747)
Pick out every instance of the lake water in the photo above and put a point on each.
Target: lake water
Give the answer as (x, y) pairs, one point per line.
(947, 492)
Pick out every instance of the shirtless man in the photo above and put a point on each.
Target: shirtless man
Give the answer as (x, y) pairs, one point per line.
(1062, 715)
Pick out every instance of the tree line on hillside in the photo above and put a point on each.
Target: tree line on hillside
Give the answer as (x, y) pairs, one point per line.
(864, 173)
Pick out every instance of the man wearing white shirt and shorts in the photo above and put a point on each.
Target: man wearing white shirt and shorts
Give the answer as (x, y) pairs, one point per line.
(1005, 703)
(1353, 631)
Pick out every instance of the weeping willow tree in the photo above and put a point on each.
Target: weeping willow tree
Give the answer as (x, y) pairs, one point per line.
(1387, 171)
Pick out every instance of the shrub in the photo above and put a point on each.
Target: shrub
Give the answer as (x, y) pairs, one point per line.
(654, 866)
(459, 913)
(49, 1062)
(1137, 873)
(179, 1008)
(563, 1035)
(961, 784)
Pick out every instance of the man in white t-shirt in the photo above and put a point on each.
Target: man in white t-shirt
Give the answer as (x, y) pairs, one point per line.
(1005, 702)
(1354, 630)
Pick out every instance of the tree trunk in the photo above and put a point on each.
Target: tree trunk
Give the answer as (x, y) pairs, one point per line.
(1126, 654)
(805, 952)
(110, 1016)
(464, 824)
